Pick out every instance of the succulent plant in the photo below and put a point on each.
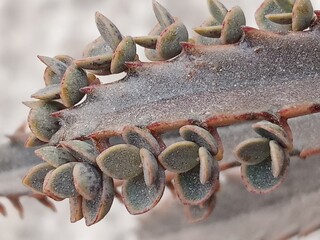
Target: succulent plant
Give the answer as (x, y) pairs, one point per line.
(101, 138)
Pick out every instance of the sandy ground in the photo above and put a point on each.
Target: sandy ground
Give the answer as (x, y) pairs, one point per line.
(52, 27)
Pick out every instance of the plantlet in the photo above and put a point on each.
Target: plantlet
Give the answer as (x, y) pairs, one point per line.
(221, 78)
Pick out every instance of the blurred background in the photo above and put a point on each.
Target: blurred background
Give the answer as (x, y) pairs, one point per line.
(51, 27)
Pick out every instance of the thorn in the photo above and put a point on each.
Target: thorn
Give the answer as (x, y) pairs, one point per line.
(17, 204)
(57, 114)
(88, 89)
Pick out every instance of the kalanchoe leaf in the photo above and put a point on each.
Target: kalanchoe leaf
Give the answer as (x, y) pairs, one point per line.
(32, 141)
(280, 18)
(259, 178)
(189, 188)
(200, 212)
(253, 151)
(74, 79)
(209, 31)
(150, 166)
(141, 138)
(218, 10)
(50, 77)
(35, 176)
(48, 93)
(61, 182)
(140, 198)
(153, 54)
(302, 15)
(271, 7)
(168, 44)
(109, 32)
(147, 41)
(278, 156)
(232, 23)
(125, 52)
(81, 150)
(95, 210)
(121, 161)
(273, 131)
(75, 209)
(180, 157)
(99, 62)
(285, 5)
(207, 163)
(200, 136)
(55, 65)
(163, 16)
(87, 180)
(54, 156)
(41, 124)
(47, 187)
(96, 48)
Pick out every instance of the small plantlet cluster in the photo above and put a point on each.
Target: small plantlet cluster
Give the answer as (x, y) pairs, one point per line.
(113, 144)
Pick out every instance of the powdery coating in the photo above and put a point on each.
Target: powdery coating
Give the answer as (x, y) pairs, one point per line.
(189, 188)
(140, 198)
(205, 82)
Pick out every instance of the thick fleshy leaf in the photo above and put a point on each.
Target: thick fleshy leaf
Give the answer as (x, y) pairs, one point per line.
(232, 23)
(48, 93)
(95, 210)
(36, 175)
(81, 150)
(95, 63)
(54, 156)
(273, 131)
(32, 141)
(121, 161)
(141, 138)
(50, 77)
(125, 52)
(153, 54)
(147, 41)
(47, 189)
(218, 11)
(206, 165)
(189, 188)
(302, 15)
(73, 80)
(259, 178)
(55, 64)
(280, 18)
(168, 45)
(180, 157)
(75, 209)
(150, 166)
(209, 31)
(277, 158)
(200, 136)
(163, 16)
(87, 180)
(41, 124)
(109, 32)
(140, 198)
(253, 151)
(61, 182)
(200, 212)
